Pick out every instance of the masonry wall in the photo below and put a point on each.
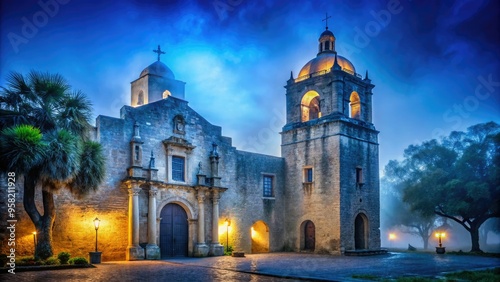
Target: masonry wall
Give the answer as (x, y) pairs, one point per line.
(359, 149)
(243, 203)
(315, 145)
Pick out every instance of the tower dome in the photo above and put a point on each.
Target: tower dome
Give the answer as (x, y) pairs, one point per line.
(324, 61)
(159, 69)
(326, 57)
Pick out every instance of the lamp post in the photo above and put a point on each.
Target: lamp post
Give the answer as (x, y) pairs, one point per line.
(95, 257)
(392, 237)
(34, 242)
(228, 223)
(440, 249)
(96, 225)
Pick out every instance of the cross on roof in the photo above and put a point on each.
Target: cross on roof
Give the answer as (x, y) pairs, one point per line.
(159, 52)
(326, 20)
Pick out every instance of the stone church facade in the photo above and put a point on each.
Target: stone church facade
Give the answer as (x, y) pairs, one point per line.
(176, 187)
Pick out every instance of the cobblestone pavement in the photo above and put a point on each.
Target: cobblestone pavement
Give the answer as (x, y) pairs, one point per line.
(266, 267)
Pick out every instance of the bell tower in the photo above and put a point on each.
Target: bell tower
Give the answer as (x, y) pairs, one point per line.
(330, 147)
(155, 82)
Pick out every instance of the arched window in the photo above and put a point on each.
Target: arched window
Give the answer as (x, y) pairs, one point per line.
(166, 93)
(310, 106)
(355, 106)
(137, 152)
(140, 98)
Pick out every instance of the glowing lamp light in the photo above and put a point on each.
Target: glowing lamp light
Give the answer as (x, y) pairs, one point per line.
(34, 242)
(96, 223)
(440, 235)
(392, 236)
(228, 223)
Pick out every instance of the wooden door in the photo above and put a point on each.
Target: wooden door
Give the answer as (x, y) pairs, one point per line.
(310, 236)
(173, 231)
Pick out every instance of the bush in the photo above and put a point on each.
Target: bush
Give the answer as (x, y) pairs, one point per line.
(63, 257)
(228, 250)
(27, 261)
(51, 261)
(78, 260)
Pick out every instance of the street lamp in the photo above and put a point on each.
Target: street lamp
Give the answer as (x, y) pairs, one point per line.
(392, 237)
(95, 257)
(228, 223)
(440, 249)
(34, 242)
(96, 225)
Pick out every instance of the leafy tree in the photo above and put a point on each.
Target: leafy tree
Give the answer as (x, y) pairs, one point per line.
(44, 139)
(456, 177)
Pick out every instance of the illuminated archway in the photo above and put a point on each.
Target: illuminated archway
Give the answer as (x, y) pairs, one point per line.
(310, 106)
(355, 106)
(260, 237)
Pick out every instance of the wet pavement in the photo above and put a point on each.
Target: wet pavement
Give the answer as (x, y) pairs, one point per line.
(267, 267)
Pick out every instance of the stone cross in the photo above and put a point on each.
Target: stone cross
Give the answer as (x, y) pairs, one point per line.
(324, 20)
(159, 52)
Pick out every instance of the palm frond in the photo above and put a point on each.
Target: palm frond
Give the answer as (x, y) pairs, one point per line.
(50, 88)
(21, 148)
(62, 157)
(91, 172)
(75, 113)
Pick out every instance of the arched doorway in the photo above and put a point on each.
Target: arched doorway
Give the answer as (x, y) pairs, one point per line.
(260, 237)
(307, 236)
(361, 232)
(173, 231)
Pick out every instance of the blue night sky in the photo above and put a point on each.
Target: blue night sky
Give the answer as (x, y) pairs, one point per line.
(430, 62)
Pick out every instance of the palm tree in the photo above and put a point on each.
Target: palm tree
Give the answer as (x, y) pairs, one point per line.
(44, 138)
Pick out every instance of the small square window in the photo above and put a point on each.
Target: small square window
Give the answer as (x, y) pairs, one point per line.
(268, 186)
(308, 174)
(177, 168)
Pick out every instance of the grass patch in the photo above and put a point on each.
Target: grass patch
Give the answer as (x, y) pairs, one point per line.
(480, 275)
(366, 277)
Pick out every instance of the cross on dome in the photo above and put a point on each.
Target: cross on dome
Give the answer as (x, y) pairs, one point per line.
(326, 20)
(159, 52)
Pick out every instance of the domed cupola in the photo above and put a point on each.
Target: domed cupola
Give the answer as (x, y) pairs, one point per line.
(156, 82)
(159, 69)
(326, 42)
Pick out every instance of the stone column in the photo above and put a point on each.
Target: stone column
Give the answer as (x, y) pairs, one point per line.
(201, 249)
(134, 251)
(152, 250)
(216, 249)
